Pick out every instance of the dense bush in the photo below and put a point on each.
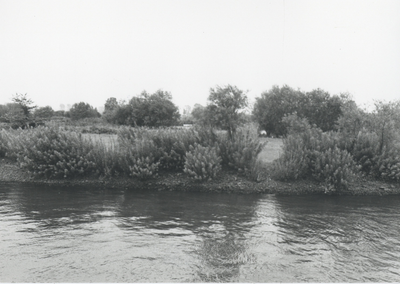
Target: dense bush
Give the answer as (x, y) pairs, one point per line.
(63, 152)
(387, 164)
(144, 167)
(43, 113)
(317, 106)
(293, 163)
(14, 141)
(202, 163)
(109, 159)
(151, 110)
(170, 145)
(364, 150)
(52, 153)
(83, 110)
(140, 159)
(3, 143)
(241, 150)
(317, 154)
(334, 167)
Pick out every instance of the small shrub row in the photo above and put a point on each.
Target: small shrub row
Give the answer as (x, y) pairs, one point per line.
(313, 153)
(333, 158)
(380, 163)
(240, 152)
(55, 152)
(202, 163)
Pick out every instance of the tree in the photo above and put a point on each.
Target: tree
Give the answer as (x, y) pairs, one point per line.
(25, 103)
(353, 119)
(318, 107)
(186, 117)
(110, 109)
(43, 113)
(199, 114)
(82, 110)
(272, 106)
(13, 113)
(153, 110)
(224, 105)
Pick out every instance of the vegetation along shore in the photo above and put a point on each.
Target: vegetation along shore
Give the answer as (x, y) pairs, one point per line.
(327, 144)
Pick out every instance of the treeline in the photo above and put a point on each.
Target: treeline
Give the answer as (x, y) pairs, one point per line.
(227, 108)
(22, 113)
(327, 138)
(318, 107)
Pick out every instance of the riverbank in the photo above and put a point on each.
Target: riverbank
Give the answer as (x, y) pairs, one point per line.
(226, 182)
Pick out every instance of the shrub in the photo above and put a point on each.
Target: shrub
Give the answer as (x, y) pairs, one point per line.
(108, 158)
(144, 167)
(170, 145)
(335, 167)
(83, 110)
(202, 163)
(293, 163)
(364, 150)
(134, 160)
(3, 143)
(52, 153)
(313, 153)
(387, 165)
(240, 152)
(14, 141)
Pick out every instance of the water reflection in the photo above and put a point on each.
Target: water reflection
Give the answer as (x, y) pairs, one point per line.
(355, 235)
(56, 234)
(218, 223)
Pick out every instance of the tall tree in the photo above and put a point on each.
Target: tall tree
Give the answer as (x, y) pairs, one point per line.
(153, 110)
(82, 110)
(318, 107)
(110, 109)
(13, 113)
(273, 105)
(199, 114)
(224, 105)
(25, 103)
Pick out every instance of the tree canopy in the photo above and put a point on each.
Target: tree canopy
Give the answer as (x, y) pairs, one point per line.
(318, 107)
(43, 113)
(24, 102)
(153, 110)
(224, 105)
(82, 110)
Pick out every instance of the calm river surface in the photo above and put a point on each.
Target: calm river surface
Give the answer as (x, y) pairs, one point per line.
(56, 234)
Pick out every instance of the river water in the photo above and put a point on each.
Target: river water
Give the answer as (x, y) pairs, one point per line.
(57, 234)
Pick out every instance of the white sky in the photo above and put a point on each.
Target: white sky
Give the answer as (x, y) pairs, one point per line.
(64, 52)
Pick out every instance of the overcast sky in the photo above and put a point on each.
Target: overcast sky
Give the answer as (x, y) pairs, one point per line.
(65, 52)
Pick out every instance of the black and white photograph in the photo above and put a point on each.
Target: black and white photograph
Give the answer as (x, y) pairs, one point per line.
(199, 141)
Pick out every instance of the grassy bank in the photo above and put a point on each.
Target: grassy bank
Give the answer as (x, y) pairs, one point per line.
(157, 160)
(138, 153)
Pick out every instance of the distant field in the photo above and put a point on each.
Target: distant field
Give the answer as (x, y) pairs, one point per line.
(108, 139)
(271, 151)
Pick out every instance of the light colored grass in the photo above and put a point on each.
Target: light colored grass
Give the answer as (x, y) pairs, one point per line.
(108, 140)
(271, 151)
